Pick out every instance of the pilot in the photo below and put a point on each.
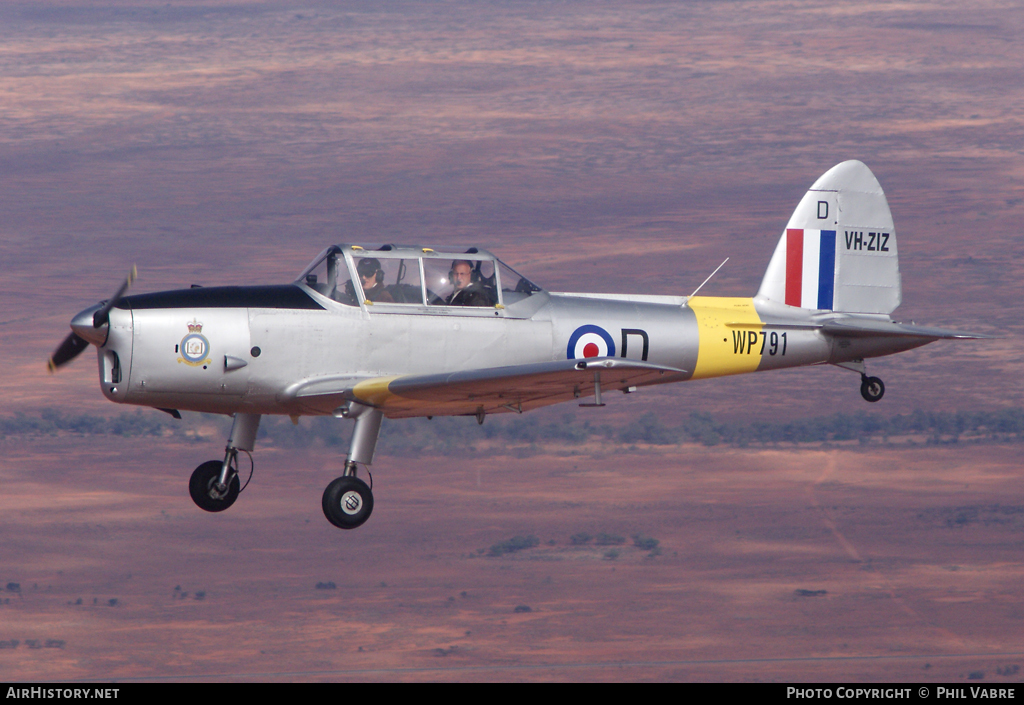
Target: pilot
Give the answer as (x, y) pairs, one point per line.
(467, 292)
(372, 278)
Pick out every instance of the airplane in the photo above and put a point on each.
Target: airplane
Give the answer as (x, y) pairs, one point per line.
(403, 331)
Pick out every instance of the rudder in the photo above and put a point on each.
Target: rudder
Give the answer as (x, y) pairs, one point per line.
(838, 251)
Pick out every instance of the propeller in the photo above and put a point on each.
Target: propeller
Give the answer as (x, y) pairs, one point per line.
(85, 328)
(71, 348)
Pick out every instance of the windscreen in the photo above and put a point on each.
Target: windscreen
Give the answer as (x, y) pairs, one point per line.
(328, 275)
(514, 287)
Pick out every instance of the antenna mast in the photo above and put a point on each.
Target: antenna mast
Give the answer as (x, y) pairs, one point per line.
(708, 279)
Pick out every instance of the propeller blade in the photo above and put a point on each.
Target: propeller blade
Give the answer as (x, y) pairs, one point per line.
(71, 348)
(73, 345)
(103, 315)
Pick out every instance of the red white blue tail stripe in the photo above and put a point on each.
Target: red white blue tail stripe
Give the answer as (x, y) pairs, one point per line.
(810, 268)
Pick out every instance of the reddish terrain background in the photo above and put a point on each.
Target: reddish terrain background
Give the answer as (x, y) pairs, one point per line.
(595, 147)
(814, 565)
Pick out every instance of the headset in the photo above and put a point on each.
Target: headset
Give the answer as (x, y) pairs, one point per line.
(370, 266)
(474, 273)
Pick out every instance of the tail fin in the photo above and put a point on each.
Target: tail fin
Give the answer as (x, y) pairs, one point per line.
(838, 251)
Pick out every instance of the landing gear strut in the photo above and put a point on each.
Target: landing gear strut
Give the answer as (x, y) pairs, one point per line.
(214, 485)
(348, 501)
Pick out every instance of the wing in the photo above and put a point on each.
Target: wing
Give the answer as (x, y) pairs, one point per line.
(494, 390)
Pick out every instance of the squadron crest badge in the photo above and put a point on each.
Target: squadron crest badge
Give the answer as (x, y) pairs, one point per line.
(194, 347)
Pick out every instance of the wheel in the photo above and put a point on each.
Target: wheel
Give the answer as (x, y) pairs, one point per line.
(347, 502)
(872, 389)
(204, 492)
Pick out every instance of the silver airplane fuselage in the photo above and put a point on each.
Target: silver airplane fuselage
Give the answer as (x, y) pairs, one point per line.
(258, 349)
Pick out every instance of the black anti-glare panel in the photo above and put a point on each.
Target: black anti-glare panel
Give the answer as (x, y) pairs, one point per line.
(277, 296)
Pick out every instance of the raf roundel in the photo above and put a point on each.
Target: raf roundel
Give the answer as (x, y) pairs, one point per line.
(590, 341)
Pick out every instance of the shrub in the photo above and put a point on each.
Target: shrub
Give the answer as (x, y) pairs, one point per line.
(645, 543)
(516, 543)
(609, 539)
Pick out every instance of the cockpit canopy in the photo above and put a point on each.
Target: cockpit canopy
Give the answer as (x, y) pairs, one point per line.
(415, 276)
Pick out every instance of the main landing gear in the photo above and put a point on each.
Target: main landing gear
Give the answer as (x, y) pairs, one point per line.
(348, 501)
(214, 485)
(204, 490)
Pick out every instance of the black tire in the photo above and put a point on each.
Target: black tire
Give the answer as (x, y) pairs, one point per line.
(872, 389)
(347, 502)
(201, 487)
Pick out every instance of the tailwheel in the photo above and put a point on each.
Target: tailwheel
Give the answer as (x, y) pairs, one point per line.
(347, 502)
(203, 487)
(871, 388)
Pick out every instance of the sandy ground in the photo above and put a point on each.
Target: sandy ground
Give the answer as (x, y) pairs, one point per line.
(774, 565)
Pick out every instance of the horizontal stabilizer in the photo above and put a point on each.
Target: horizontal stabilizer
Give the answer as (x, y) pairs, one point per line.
(861, 328)
(867, 328)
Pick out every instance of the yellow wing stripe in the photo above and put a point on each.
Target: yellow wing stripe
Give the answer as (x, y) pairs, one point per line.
(374, 391)
(719, 322)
